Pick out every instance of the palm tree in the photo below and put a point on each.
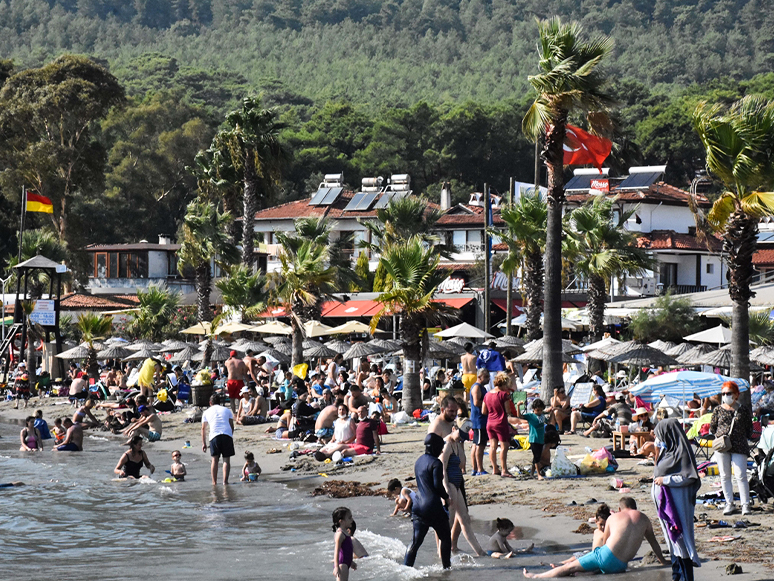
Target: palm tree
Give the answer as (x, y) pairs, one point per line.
(525, 236)
(157, 306)
(339, 249)
(305, 279)
(205, 238)
(739, 146)
(569, 80)
(218, 181)
(600, 248)
(43, 243)
(244, 291)
(252, 141)
(412, 277)
(93, 327)
(402, 219)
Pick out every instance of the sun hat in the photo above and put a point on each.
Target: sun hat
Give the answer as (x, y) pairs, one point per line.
(640, 411)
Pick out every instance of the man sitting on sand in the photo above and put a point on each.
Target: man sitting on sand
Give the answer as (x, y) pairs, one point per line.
(148, 426)
(624, 533)
(73, 441)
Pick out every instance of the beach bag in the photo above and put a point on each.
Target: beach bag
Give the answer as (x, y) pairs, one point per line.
(561, 467)
(400, 418)
(591, 465)
(723, 443)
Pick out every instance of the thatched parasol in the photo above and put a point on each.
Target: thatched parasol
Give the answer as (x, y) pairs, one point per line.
(140, 354)
(115, 352)
(662, 345)
(281, 357)
(362, 350)
(694, 355)
(678, 350)
(254, 346)
(568, 346)
(77, 352)
(285, 348)
(338, 346)
(172, 345)
(386, 344)
(319, 351)
(274, 339)
(717, 358)
(145, 344)
(184, 355)
(535, 355)
(763, 355)
(641, 354)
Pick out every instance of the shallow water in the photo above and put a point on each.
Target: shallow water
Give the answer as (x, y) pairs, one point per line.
(72, 521)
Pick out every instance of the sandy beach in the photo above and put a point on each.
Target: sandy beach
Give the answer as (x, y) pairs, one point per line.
(543, 507)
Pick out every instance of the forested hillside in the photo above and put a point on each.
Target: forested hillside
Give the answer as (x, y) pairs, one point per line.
(396, 51)
(435, 88)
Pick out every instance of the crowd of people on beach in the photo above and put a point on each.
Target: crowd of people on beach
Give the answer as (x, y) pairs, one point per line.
(336, 413)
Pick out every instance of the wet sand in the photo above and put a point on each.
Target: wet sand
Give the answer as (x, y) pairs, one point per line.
(541, 509)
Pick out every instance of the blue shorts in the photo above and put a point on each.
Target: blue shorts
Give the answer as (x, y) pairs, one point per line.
(602, 559)
(68, 448)
(480, 437)
(153, 436)
(324, 433)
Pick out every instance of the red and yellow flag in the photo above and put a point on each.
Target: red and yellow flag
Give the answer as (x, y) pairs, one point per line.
(38, 203)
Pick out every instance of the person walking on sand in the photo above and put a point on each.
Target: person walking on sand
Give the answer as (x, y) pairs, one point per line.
(675, 484)
(237, 375)
(498, 405)
(624, 532)
(468, 364)
(428, 508)
(219, 422)
(478, 419)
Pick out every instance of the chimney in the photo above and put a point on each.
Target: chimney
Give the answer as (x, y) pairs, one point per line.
(165, 239)
(445, 196)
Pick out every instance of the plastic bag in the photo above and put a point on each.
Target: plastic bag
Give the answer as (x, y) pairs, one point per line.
(400, 418)
(562, 467)
(591, 465)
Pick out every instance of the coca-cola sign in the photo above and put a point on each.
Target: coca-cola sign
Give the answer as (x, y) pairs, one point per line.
(603, 185)
(451, 285)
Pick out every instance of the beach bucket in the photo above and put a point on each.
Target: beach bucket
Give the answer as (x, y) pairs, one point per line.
(200, 395)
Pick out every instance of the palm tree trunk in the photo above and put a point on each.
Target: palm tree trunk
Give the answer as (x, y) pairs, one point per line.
(203, 288)
(31, 356)
(739, 243)
(597, 295)
(206, 359)
(412, 390)
(533, 291)
(553, 155)
(250, 206)
(297, 336)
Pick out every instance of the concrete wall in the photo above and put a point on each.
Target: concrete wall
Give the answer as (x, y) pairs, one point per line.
(661, 217)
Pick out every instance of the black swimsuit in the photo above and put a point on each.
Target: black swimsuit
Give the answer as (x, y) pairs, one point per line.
(132, 468)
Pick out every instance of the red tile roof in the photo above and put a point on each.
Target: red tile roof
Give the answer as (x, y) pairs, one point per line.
(669, 239)
(131, 246)
(763, 257)
(302, 209)
(79, 301)
(656, 193)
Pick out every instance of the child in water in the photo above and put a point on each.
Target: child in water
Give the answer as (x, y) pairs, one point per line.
(250, 471)
(403, 500)
(342, 544)
(177, 470)
(498, 547)
(59, 431)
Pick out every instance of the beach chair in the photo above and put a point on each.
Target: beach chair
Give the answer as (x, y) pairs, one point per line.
(701, 439)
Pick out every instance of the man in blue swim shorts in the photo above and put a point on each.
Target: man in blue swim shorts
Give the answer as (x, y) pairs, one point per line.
(624, 532)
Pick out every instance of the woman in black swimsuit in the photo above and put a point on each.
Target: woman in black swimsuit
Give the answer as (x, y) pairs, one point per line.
(132, 460)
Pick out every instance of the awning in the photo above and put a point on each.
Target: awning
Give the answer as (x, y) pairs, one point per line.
(457, 303)
(351, 309)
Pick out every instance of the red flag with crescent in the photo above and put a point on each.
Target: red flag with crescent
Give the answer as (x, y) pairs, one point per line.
(581, 148)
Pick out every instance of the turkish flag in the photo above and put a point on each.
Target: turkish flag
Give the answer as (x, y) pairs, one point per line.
(581, 148)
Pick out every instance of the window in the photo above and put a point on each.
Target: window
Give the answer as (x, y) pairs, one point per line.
(123, 265)
(100, 265)
(710, 268)
(668, 274)
(459, 238)
(113, 265)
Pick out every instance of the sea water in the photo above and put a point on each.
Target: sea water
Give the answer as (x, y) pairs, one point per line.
(73, 521)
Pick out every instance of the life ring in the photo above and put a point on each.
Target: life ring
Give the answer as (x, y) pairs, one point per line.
(17, 343)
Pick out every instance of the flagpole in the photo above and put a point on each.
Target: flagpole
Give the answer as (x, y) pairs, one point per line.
(21, 220)
(487, 273)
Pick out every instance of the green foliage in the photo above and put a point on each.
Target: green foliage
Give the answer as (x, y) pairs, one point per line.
(205, 237)
(365, 277)
(671, 319)
(158, 306)
(244, 291)
(380, 278)
(761, 327)
(93, 327)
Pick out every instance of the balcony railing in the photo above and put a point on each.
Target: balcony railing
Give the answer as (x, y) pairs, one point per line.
(472, 248)
(680, 289)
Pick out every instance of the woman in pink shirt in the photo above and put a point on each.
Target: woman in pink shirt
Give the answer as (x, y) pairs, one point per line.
(498, 405)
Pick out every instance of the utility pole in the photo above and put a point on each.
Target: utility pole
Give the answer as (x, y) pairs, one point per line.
(21, 220)
(509, 291)
(487, 272)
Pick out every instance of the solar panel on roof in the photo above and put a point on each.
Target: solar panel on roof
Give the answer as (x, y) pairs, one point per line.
(366, 202)
(318, 197)
(331, 196)
(581, 182)
(639, 180)
(354, 202)
(385, 200)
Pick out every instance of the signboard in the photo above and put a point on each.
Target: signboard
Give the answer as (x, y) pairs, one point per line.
(451, 285)
(500, 281)
(44, 314)
(603, 185)
(581, 395)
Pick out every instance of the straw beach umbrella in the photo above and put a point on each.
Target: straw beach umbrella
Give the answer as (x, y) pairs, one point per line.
(140, 355)
(77, 352)
(318, 351)
(678, 350)
(534, 354)
(694, 355)
(386, 344)
(662, 345)
(359, 350)
(184, 355)
(338, 346)
(640, 354)
(114, 352)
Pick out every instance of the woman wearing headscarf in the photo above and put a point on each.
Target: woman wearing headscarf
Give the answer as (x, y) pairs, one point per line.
(675, 484)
